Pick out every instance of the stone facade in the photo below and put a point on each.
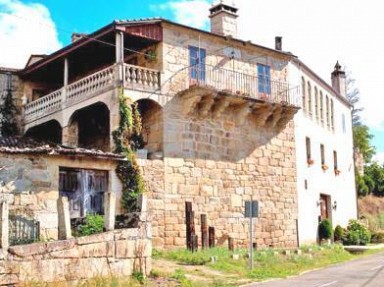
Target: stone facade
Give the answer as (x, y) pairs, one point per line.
(216, 142)
(119, 253)
(217, 164)
(33, 185)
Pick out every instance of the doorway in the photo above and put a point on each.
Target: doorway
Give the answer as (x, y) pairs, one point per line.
(85, 190)
(324, 206)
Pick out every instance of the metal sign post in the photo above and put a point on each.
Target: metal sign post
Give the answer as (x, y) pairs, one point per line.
(251, 211)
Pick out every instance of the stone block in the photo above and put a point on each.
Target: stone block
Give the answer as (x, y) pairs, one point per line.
(175, 162)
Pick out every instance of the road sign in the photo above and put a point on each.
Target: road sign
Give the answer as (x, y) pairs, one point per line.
(251, 208)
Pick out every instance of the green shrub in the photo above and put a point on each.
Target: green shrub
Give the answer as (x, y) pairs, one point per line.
(338, 234)
(377, 237)
(325, 229)
(356, 234)
(94, 224)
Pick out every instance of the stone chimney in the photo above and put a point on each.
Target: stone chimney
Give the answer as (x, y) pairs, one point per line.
(278, 43)
(77, 36)
(223, 19)
(338, 80)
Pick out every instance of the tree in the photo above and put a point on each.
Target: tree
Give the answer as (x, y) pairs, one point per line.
(8, 126)
(374, 178)
(353, 96)
(361, 141)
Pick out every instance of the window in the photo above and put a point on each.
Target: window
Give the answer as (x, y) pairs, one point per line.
(327, 110)
(316, 104)
(343, 123)
(321, 108)
(304, 100)
(264, 77)
(332, 117)
(197, 63)
(309, 99)
(322, 154)
(334, 160)
(308, 148)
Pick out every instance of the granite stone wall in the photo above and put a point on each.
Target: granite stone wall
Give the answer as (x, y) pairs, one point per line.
(119, 253)
(218, 162)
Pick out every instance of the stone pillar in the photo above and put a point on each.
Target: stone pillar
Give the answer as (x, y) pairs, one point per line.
(142, 203)
(119, 56)
(70, 135)
(109, 210)
(64, 218)
(4, 230)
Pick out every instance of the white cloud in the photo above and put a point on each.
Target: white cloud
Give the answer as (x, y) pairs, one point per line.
(188, 12)
(319, 32)
(25, 29)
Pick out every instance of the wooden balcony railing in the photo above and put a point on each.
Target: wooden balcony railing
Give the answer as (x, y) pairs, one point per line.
(135, 77)
(242, 84)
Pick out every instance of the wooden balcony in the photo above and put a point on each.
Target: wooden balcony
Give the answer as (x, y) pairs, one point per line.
(133, 77)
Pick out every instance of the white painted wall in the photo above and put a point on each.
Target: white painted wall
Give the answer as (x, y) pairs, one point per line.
(340, 188)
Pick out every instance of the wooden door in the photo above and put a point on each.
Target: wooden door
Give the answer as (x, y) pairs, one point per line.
(85, 190)
(324, 207)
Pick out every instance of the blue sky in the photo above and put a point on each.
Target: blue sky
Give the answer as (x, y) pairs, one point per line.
(88, 16)
(319, 32)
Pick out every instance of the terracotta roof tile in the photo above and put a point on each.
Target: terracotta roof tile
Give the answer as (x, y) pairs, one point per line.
(18, 145)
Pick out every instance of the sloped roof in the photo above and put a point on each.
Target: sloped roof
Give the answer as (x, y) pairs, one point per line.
(24, 145)
(133, 22)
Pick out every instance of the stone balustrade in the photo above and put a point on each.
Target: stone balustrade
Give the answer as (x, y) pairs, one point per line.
(135, 77)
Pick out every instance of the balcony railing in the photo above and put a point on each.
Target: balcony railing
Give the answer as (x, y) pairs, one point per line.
(241, 84)
(134, 78)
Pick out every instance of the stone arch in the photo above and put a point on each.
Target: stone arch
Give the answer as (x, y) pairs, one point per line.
(89, 127)
(153, 124)
(49, 131)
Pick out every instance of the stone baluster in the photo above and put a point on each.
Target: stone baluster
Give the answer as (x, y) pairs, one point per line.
(4, 215)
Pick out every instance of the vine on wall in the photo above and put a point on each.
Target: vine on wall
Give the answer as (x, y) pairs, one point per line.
(128, 139)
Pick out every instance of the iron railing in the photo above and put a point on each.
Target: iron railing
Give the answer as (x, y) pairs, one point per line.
(241, 84)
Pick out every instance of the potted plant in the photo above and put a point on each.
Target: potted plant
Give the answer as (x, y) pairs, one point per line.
(325, 230)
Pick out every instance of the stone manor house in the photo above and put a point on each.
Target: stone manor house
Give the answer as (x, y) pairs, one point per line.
(224, 121)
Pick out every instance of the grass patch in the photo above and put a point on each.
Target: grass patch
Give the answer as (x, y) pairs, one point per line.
(267, 264)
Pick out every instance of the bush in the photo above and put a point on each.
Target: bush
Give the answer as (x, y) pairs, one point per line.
(377, 237)
(338, 234)
(325, 229)
(356, 234)
(94, 224)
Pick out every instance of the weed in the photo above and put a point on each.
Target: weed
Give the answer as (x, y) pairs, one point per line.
(139, 277)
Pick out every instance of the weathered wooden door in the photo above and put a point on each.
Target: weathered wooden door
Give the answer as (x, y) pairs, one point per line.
(84, 189)
(324, 206)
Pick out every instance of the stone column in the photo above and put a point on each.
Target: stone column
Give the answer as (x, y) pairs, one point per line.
(70, 135)
(119, 55)
(4, 230)
(109, 210)
(64, 218)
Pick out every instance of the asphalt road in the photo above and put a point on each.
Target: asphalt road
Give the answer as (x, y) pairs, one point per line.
(363, 272)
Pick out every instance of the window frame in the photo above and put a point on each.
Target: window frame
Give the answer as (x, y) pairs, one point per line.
(197, 57)
(264, 79)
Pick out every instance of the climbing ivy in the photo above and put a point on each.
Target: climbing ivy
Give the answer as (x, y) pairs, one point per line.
(128, 139)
